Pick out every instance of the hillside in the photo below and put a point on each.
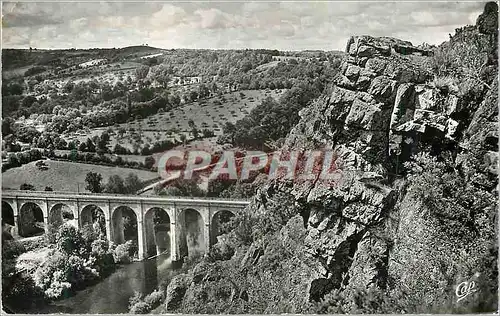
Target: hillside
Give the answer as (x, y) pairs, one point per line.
(424, 121)
(64, 175)
(140, 100)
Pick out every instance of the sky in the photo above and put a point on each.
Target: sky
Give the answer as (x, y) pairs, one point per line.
(228, 25)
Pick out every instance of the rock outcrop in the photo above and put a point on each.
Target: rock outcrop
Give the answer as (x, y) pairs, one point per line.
(381, 86)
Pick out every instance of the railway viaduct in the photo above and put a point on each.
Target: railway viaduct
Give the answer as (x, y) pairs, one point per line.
(180, 214)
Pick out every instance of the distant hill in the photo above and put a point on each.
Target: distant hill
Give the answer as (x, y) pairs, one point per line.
(20, 58)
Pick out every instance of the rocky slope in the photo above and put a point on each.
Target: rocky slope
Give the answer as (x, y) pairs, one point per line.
(414, 214)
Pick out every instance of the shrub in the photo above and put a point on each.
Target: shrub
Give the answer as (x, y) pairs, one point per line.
(140, 308)
(34, 243)
(26, 186)
(139, 305)
(17, 287)
(134, 299)
(69, 240)
(104, 260)
(76, 261)
(11, 249)
(243, 224)
(123, 252)
(441, 60)
(61, 272)
(154, 299)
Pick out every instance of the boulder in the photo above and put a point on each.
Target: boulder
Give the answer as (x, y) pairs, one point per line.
(352, 72)
(491, 162)
(364, 115)
(376, 65)
(410, 49)
(363, 83)
(368, 46)
(382, 88)
(424, 97)
(404, 105)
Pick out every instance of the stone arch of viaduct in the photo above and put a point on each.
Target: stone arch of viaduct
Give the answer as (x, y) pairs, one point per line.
(141, 206)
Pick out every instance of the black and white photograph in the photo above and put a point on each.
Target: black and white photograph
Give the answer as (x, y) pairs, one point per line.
(249, 157)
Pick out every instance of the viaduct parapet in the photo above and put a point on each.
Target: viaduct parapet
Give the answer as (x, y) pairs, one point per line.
(112, 206)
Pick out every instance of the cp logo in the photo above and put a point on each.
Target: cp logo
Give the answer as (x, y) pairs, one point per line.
(464, 289)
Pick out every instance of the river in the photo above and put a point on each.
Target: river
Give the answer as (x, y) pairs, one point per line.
(111, 295)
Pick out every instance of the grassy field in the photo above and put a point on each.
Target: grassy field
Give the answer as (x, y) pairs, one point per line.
(209, 114)
(17, 72)
(64, 176)
(206, 144)
(267, 65)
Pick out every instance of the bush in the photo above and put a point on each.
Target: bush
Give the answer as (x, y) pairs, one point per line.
(154, 299)
(243, 224)
(76, 261)
(139, 305)
(11, 249)
(134, 299)
(16, 288)
(50, 234)
(61, 272)
(140, 308)
(34, 243)
(123, 252)
(69, 240)
(446, 84)
(104, 260)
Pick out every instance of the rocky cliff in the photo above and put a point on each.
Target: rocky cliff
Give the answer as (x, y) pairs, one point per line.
(415, 131)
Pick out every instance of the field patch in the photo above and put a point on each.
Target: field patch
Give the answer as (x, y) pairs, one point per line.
(64, 176)
(208, 114)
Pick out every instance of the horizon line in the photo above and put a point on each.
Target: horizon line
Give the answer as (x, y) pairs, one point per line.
(177, 48)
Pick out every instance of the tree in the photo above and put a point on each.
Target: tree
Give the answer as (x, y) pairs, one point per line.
(102, 143)
(141, 72)
(90, 145)
(7, 126)
(116, 185)
(207, 133)
(193, 95)
(93, 180)
(203, 91)
(48, 189)
(194, 129)
(132, 183)
(161, 74)
(229, 129)
(121, 131)
(82, 147)
(27, 134)
(149, 162)
(120, 150)
(183, 188)
(145, 150)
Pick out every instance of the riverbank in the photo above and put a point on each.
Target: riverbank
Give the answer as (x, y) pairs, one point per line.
(111, 295)
(56, 265)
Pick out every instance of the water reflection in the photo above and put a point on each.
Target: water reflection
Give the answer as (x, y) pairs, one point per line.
(111, 295)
